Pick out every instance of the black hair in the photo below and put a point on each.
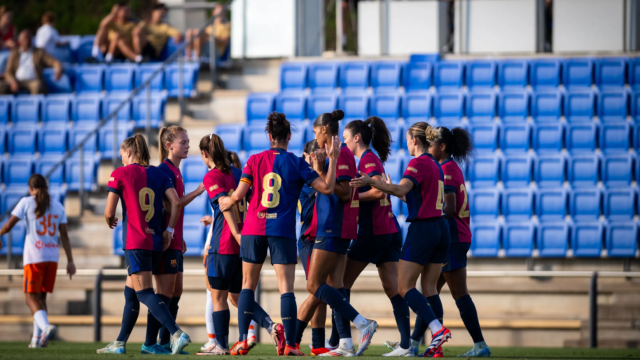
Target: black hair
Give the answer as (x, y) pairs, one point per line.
(311, 146)
(373, 131)
(278, 127)
(42, 197)
(123, 3)
(330, 120)
(234, 159)
(160, 6)
(457, 142)
(214, 147)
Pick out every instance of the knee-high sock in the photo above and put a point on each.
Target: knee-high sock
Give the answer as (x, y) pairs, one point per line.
(41, 318)
(158, 309)
(37, 333)
(419, 329)
(300, 326)
(317, 338)
(336, 301)
(153, 325)
(262, 318)
(129, 314)
(342, 323)
(419, 304)
(221, 324)
(469, 317)
(207, 316)
(289, 312)
(401, 313)
(436, 306)
(165, 337)
(246, 308)
(335, 337)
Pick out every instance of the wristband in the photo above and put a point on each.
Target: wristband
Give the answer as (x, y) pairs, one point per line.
(170, 229)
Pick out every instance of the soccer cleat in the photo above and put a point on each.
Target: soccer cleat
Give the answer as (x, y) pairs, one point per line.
(366, 335)
(211, 343)
(293, 351)
(214, 350)
(319, 351)
(340, 351)
(437, 340)
(392, 345)
(179, 340)
(478, 352)
(438, 353)
(400, 352)
(47, 335)
(167, 347)
(155, 349)
(114, 347)
(240, 348)
(34, 344)
(277, 336)
(252, 341)
(328, 346)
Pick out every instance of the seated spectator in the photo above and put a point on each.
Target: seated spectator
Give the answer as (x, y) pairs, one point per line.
(47, 37)
(114, 37)
(150, 37)
(24, 68)
(221, 32)
(7, 29)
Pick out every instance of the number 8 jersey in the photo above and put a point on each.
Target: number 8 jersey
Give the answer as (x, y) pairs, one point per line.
(141, 190)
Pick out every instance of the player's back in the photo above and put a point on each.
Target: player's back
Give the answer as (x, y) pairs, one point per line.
(376, 217)
(219, 184)
(426, 198)
(454, 181)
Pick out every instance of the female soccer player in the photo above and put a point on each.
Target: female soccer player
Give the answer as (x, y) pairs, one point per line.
(427, 243)
(277, 178)
(45, 219)
(379, 237)
(142, 188)
(336, 217)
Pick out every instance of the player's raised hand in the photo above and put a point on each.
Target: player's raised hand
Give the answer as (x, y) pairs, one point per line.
(334, 151)
(387, 179)
(206, 220)
(71, 269)
(363, 180)
(166, 240)
(319, 159)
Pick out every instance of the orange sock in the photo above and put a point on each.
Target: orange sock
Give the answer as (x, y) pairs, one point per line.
(251, 327)
(212, 336)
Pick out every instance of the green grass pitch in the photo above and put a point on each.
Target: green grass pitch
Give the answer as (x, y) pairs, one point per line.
(64, 350)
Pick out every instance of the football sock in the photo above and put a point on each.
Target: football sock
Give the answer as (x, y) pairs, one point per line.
(342, 324)
(419, 304)
(165, 337)
(130, 313)
(207, 316)
(289, 312)
(436, 306)
(138, 58)
(246, 303)
(401, 313)
(221, 324)
(40, 317)
(262, 318)
(301, 325)
(153, 325)
(335, 337)
(346, 343)
(109, 58)
(419, 329)
(337, 302)
(158, 309)
(36, 331)
(435, 326)
(469, 317)
(252, 329)
(317, 338)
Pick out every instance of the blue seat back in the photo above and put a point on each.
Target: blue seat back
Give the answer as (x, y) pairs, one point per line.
(516, 171)
(517, 239)
(89, 78)
(77, 134)
(394, 167)
(110, 104)
(6, 101)
(119, 78)
(259, 105)
(448, 75)
(481, 74)
(44, 165)
(486, 239)
(84, 48)
(231, 135)
(17, 172)
(105, 139)
(614, 138)
(255, 139)
(354, 76)
(385, 77)
(139, 108)
(584, 204)
(581, 138)
(513, 106)
(515, 138)
(25, 110)
(52, 140)
(294, 105)
(416, 77)
(619, 204)
(385, 106)
(586, 239)
(293, 76)
(613, 105)
(634, 73)
(634, 105)
(547, 138)
(551, 205)
(579, 106)
(18, 234)
(56, 109)
(549, 170)
(582, 170)
(355, 106)
(72, 174)
(621, 239)
(396, 131)
(611, 72)
(483, 171)
(546, 106)
(144, 72)
(86, 110)
(517, 204)
(319, 104)
(448, 107)
(419, 58)
(513, 74)
(60, 86)
(323, 77)
(484, 204)
(616, 170)
(552, 239)
(416, 107)
(189, 79)
(545, 74)
(480, 107)
(485, 137)
(577, 73)
(21, 141)
(193, 170)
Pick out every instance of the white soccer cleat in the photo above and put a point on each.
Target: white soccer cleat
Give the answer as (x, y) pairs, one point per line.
(366, 335)
(215, 350)
(34, 344)
(211, 343)
(392, 345)
(400, 352)
(340, 351)
(114, 347)
(47, 335)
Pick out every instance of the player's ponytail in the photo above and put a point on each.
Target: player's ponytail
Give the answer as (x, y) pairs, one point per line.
(457, 142)
(278, 127)
(419, 131)
(167, 135)
(138, 146)
(218, 153)
(234, 159)
(330, 120)
(373, 132)
(43, 199)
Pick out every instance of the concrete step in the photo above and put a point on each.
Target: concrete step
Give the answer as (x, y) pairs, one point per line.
(619, 312)
(605, 343)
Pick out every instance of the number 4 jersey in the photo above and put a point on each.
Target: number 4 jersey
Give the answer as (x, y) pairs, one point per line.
(454, 182)
(41, 243)
(141, 190)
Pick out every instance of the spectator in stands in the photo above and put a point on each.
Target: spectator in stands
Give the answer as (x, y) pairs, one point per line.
(150, 37)
(25, 65)
(114, 36)
(221, 32)
(7, 29)
(47, 37)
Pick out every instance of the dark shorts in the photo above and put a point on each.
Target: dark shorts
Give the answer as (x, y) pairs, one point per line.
(457, 256)
(305, 248)
(149, 51)
(171, 262)
(253, 249)
(225, 272)
(332, 244)
(427, 242)
(376, 249)
(142, 260)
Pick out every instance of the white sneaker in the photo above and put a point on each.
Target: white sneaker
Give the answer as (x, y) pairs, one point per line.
(47, 334)
(114, 347)
(211, 343)
(340, 351)
(34, 344)
(400, 352)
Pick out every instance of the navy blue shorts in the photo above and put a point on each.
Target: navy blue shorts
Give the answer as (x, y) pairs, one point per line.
(457, 256)
(427, 242)
(225, 272)
(142, 260)
(305, 248)
(253, 249)
(376, 249)
(171, 262)
(332, 244)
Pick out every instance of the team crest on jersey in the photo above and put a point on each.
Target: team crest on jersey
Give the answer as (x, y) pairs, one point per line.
(39, 244)
(261, 215)
(369, 165)
(174, 263)
(447, 177)
(343, 167)
(213, 187)
(412, 169)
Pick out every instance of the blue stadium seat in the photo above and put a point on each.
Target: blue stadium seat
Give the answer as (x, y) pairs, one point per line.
(582, 170)
(3, 141)
(584, 204)
(397, 134)
(18, 233)
(547, 138)
(56, 110)
(77, 134)
(52, 140)
(517, 239)
(17, 172)
(200, 204)
(105, 138)
(189, 79)
(89, 78)
(577, 73)
(395, 206)
(480, 107)
(298, 136)
(552, 239)
(513, 106)
(293, 77)
(60, 86)
(619, 204)
(634, 73)
(355, 106)
(231, 135)
(194, 234)
(118, 78)
(144, 71)
(117, 240)
(613, 105)
(579, 106)
(395, 167)
(551, 205)
(255, 138)
(416, 107)
(354, 76)
(615, 170)
(385, 106)
(139, 110)
(513, 74)
(193, 170)
(486, 239)
(84, 48)
(6, 101)
(621, 239)
(111, 102)
(548, 170)
(481, 74)
(21, 141)
(515, 138)
(586, 239)
(485, 137)
(611, 72)
(448, 108)
(85, 110)
(581, 138)
(545, 74)
(385, 77)
(634, 100)
(45, 164)
(319, 104)
(72, 173)
(418, 58)
(515, 171)
(25, 110)
(416, 77)
(546, 105)
(614, 138)
(323, 77)
(483, 170)
(484, 204)
(259, 105)
(294, 105)
(517, 204)
(448, 75)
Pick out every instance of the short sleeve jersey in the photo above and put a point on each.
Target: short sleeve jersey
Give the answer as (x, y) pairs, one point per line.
(306, 205)
(41, 242)
(175, 176)
(426, 198)
(141, 190)
(376, 217)
(219, 184)
(335, 217)
(125, 30)
(454, 182)
(158, 34)
(276, 177)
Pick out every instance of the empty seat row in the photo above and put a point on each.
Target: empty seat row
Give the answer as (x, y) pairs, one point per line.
(16, 173)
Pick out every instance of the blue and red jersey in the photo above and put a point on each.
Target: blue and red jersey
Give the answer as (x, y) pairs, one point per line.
(219, 184)
(141, 190)
(334, 217)
(176, 177)
(376, 217)
(276, 177)
(454, 183)
(425, 200)
(306, 205)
